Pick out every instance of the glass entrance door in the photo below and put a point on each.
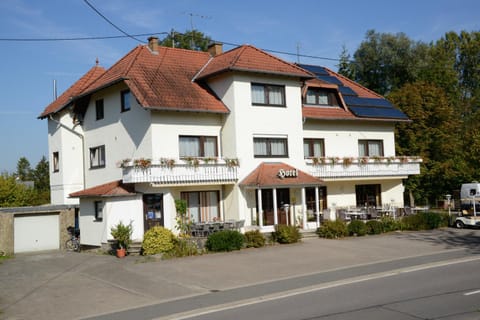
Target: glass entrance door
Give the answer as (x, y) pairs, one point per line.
(153, 210)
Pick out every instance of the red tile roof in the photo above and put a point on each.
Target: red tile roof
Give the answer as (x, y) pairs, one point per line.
(111, 189)
(267, 175)
(76, 89)
(250, 59)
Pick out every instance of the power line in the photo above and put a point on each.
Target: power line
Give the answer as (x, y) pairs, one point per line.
(78, 38)
(111, 23)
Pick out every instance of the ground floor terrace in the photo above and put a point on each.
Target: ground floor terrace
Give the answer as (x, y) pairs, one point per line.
(272, 194)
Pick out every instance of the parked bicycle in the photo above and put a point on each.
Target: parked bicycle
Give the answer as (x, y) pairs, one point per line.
(73, 244)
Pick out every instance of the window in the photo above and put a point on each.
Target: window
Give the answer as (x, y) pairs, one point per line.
(202, 206)
(268, 94)
(322, 97)
(98, 210)
(99, 109)
(270, 147)
(368, 195)
(56, 164)
(313, 148)
(125, 96)
(97, 157)
(198, 146)
(370, 148)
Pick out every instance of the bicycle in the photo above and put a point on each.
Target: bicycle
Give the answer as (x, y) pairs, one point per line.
(73, 244)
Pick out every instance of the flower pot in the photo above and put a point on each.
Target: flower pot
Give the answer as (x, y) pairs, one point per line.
(121, 253)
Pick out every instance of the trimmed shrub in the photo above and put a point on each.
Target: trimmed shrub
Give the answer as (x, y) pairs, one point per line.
(225, 240)
(158, 240)
(374, 227)
(254, 239)
(425, 221)
(357, 227)
(183, 248)
(332, 229)
(389, 224)
(286, 234)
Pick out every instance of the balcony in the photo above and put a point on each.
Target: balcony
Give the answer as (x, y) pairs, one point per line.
(364, 167)
(169, 172)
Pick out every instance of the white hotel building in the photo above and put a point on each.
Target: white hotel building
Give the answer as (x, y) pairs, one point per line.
(239, 135)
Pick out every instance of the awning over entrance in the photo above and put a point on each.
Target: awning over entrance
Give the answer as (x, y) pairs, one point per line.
(278, 174)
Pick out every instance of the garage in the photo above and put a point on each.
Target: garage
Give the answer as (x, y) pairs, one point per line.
(36, 232)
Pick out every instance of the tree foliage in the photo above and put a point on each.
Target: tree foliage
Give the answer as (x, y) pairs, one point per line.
(192, 40)
(438, 86)
(14, 192)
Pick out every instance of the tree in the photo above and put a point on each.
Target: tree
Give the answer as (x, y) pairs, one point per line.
(346, 68)
(14, 194)
(385, 62)
(24, 171)
(433, 134)
(41, 178)
(192, 40)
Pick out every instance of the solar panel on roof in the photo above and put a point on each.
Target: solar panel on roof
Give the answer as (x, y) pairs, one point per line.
(375, 112)
(330, 79)
(347, 91)
(367, 102)
(315, 69)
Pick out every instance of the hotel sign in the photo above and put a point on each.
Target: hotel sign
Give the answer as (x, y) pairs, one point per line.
(282, 173)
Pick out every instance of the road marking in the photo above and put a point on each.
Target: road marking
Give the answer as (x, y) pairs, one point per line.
(471, 292)
(294, 292)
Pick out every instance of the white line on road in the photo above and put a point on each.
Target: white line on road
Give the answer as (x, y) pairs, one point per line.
(471, 292)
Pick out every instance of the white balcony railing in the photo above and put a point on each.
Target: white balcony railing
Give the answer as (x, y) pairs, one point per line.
(358, 168)
(219, 172)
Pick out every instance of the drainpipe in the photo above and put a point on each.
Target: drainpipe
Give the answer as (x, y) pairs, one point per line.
(83, 143)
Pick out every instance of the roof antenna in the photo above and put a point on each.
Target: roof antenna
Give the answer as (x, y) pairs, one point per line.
(298, 52)
(96, 62)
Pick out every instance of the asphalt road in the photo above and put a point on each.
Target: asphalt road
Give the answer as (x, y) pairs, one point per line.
(447, 291)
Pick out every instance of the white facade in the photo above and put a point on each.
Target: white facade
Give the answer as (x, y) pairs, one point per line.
(214, 189)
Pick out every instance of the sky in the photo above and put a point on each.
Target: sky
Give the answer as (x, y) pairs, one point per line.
(315, 28)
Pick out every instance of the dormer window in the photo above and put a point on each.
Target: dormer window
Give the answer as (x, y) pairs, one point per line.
(321, 97)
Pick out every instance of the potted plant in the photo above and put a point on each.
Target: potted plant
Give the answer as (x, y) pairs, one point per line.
(122, 233)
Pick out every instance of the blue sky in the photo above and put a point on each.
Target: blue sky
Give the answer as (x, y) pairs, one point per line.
(316, 28)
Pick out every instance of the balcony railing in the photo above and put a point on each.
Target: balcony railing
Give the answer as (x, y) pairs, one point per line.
(182, 173)
(339, 168)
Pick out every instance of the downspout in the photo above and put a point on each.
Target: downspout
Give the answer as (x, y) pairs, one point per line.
(83, 144)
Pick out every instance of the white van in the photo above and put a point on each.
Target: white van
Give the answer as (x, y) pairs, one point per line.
(468, 191)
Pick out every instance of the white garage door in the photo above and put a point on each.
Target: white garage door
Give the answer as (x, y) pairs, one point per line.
(36, 232)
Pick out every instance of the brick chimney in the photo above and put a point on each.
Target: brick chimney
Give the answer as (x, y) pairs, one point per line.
(153, 43)
(215, 48)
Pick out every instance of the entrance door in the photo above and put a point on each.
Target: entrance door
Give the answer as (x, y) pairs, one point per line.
(283, 197)
(153, 210)
(368, 195)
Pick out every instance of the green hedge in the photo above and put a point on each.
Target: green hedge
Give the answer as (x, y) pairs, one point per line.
(357, 228)
(425, 221)
(183, 248)
(254, 239)
(226, 240)
(286, 234)
(332, 229)
(374, 227)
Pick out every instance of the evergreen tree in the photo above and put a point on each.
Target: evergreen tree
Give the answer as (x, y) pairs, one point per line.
(24, 171)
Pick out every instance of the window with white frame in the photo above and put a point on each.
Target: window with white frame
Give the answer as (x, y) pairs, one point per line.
(268, 94)
(370, 148)
(267, 147)
(313, 148)
(198, 146)
(97, 157)
(98, 210)
(321, 97)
